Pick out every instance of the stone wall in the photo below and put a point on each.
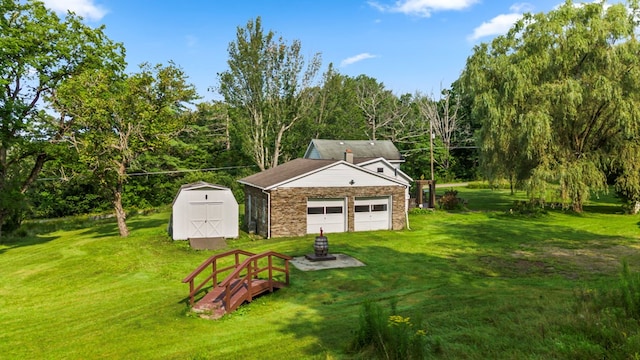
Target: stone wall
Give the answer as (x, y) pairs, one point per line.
(289, 206)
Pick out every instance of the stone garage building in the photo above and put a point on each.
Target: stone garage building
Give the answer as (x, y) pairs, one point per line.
(304, 195)
(201, 211)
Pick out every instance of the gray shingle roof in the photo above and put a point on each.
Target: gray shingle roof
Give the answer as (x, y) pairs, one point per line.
(286, 171)
(334, 149)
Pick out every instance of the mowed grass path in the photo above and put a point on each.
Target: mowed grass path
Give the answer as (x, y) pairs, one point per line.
(487, 284)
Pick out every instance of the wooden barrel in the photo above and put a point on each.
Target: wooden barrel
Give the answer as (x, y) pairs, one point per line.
(321, 246)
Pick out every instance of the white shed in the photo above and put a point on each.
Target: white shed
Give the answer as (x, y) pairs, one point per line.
(203, 210)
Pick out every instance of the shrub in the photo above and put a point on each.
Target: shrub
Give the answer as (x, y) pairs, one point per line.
(388, 336)
(420, 211)
(450, 201)
(529, 208)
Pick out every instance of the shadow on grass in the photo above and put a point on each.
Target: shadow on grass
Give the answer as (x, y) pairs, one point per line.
(38, 232)
(14, 242)
(502, 200)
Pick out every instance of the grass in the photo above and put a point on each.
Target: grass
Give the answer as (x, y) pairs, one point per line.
(486, 283)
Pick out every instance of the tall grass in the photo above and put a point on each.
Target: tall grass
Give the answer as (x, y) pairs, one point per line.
(387, 335)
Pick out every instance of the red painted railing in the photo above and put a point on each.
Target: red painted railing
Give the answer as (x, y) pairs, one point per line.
(241, 276)
(237, 281)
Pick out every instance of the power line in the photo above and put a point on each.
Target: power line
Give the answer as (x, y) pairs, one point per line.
(168, 172)
(188, 170)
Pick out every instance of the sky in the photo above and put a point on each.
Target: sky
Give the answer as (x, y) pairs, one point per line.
(408, 45)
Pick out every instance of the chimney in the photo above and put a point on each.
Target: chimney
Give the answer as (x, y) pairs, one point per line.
(348, 156)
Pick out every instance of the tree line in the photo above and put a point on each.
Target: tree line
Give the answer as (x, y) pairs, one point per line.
(550, 104)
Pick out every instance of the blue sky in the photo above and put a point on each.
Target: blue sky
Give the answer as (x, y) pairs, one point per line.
(409, 45)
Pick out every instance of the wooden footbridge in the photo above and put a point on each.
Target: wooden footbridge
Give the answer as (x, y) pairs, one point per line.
(246, 279)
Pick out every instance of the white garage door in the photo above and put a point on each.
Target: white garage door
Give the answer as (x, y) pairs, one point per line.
(371, 214)
(205, 219)
(327, 214)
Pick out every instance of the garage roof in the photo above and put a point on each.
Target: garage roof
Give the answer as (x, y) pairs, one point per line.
(286, 171)
(295, 169)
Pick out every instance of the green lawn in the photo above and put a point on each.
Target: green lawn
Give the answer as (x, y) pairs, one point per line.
(488, 285)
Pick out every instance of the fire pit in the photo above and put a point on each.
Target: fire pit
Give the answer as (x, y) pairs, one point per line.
(321, 248)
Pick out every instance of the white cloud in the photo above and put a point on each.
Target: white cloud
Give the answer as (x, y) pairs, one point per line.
(502, 23)
(423, 8)
(355, 59)
(521, 8)
(85, 8)
(497, 26)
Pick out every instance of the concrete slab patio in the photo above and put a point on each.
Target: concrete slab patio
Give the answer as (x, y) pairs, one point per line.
(341, 261)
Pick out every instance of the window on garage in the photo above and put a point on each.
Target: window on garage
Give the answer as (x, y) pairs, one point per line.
(362, 208)
(334, 210)
(379, 207)
(315, 210)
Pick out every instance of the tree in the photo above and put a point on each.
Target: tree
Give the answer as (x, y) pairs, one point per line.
(382, 110)
(269, 87)
(557, 96)
(335, 114)
(442, 115)
(118, 117)
(38, 52)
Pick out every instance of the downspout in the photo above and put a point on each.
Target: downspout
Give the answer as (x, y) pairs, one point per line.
(406, 207)
(268, 214)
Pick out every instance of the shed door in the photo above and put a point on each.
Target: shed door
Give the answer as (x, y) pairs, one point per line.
(205, 219)
(327, 214)
(371, 214)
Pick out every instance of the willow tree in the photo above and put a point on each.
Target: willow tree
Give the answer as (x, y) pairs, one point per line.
(269, 87)
(38, 52)
(557, 96)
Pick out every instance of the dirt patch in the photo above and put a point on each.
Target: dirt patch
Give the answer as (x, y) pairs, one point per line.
(598, 260)
(570, 263)
(515, 267)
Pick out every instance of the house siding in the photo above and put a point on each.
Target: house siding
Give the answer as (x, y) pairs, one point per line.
(289, 206)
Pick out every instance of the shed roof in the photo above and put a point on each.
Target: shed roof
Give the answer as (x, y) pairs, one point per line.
(334, 149)
(202, 184)
(199, 185)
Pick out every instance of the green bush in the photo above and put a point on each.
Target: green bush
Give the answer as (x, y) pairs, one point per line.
(388, 335)
(489, 185)
(420, 211)
(529, 208)
(451, 201)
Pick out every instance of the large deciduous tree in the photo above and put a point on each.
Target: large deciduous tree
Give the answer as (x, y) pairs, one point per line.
(118, 117)
(38, 52)
(558, 97)
(269, 87)
(382, 110)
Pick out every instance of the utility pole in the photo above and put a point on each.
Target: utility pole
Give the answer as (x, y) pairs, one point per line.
(431, 145)
(432, 183)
